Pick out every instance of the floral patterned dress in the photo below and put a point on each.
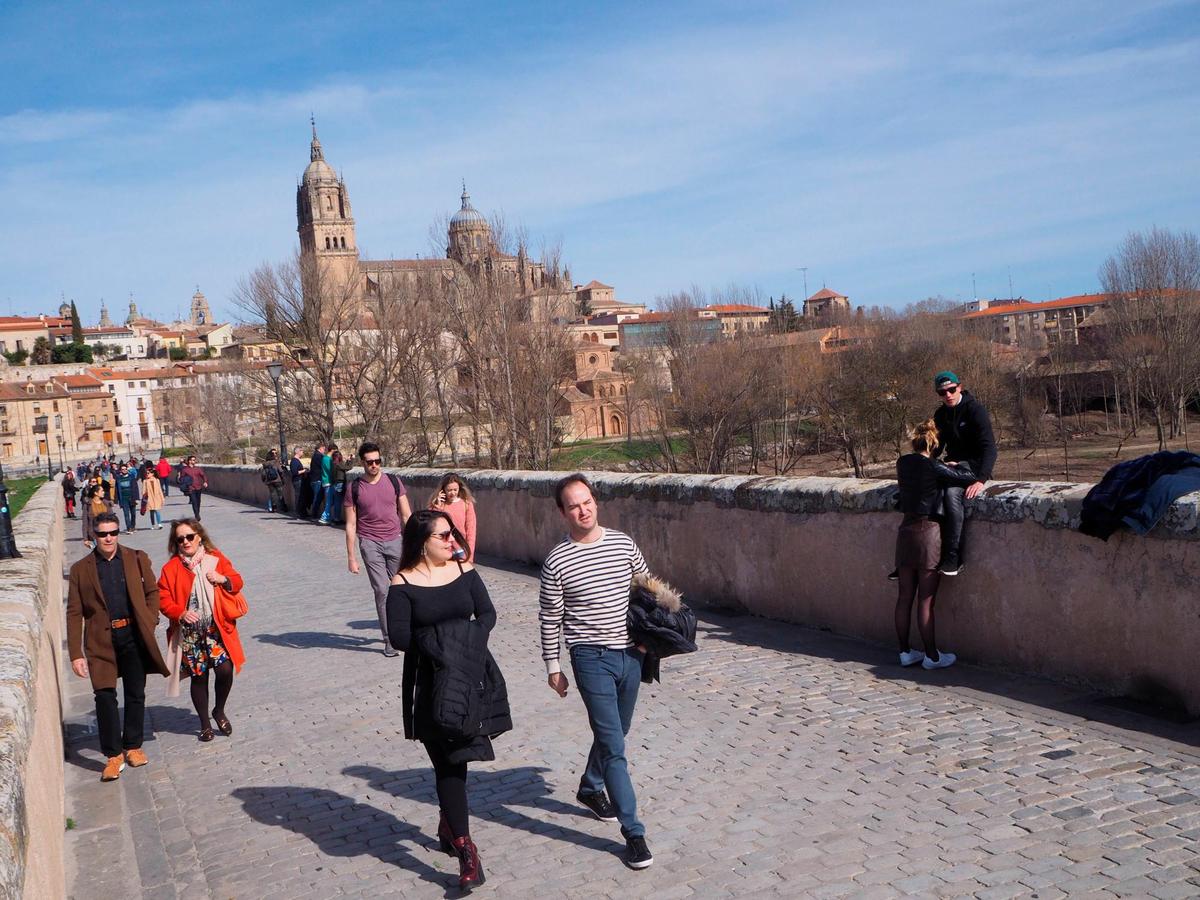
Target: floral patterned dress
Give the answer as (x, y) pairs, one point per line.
(199, 642)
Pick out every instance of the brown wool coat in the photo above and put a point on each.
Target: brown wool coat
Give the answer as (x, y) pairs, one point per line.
(89, 634)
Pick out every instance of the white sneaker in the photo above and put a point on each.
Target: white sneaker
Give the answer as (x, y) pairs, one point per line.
(944, 660)
(911, 657)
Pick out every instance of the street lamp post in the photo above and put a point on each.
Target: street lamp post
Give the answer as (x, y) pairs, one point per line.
(62, 463)
(41, 425)
(8, 542)
(275, 370)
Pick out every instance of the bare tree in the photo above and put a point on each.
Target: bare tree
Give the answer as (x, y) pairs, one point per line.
(1154, 322)
(313, 310)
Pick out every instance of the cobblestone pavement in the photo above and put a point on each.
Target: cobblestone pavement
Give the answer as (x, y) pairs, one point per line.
(777, 761)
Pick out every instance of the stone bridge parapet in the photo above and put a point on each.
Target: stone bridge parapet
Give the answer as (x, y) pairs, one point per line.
(1036, 596)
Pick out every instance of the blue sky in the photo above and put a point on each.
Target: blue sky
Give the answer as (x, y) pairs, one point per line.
(892, 149)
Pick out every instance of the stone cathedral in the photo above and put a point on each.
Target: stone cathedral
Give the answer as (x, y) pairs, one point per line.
(325, 222)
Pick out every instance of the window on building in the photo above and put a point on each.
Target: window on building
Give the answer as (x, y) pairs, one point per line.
(58, 423)
(79, 404)
(56, 406)
(37, 410)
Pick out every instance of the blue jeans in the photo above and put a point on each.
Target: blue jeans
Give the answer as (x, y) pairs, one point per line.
(130, 511)
(333, 501)
(608, 681)
(318, 499)
(155, 518)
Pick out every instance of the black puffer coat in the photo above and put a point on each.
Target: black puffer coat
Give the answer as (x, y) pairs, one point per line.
(468, 696)
(659, 620)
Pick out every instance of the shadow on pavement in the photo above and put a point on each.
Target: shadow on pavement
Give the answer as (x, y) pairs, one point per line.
(341, 826)
(320, 640)
(173, 719)
(364, 624)
(493, 796)
(1072, 700)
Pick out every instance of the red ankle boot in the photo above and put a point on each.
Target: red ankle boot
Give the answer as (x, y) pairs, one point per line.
(446, 837)
(470, 870)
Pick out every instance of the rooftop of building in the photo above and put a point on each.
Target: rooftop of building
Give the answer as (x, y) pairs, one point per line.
(827, 294)
(1027, 308)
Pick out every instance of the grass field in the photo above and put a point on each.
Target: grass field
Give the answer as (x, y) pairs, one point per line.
(19, 492)
(606, 454)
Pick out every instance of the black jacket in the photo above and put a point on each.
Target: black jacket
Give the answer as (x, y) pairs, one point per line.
(966, 433)
(468, 698)
(921, 480)
(1123, 489)
(659, 621)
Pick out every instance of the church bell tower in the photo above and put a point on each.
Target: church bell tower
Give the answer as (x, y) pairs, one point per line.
(323, 217)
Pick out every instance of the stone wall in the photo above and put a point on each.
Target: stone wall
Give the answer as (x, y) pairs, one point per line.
(1036, 596)
(32, 811)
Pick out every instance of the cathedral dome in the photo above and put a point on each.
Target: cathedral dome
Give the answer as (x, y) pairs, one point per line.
(318, 169)
(468, 216)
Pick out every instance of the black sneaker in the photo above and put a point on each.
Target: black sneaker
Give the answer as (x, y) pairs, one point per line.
(599, 805)
(637, 854)
(951, 565)
(894, 575)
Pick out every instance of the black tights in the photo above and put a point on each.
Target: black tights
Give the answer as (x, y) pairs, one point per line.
(200, 692)
(451, 790)
(921, 584)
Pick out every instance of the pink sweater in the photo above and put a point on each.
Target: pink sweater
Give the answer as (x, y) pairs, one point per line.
(462, 514)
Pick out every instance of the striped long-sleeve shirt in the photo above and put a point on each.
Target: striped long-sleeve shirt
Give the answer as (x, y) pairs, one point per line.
(585, 593)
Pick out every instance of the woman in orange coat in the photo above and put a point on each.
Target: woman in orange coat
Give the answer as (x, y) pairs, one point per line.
(197, 591)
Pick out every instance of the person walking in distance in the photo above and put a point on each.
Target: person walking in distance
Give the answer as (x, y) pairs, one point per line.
(128, 496)
(152, 496)
(297, 471)
(94, 501)
(201, 595)
(69, 489)
(193, 482)
(376, 509)
(273, 479)
(965, 430)
(112, 611)
(584, 598)
(316, 468)
(163, 468)
(922, 479)
(453, 497)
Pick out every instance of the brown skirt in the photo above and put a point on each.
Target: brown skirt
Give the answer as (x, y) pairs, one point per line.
(918, 544)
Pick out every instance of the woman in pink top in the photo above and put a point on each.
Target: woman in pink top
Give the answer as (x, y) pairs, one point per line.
(453, 497)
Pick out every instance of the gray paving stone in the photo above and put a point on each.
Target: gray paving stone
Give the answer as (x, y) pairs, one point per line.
(777, 761)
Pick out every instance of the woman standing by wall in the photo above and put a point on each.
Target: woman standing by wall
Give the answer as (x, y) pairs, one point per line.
(193, 482)
(919, 543)
(200, 592)
(453, 497)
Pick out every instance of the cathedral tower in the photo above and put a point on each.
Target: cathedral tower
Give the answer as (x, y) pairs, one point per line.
(470, 234)
(200, 311)
(323, 216)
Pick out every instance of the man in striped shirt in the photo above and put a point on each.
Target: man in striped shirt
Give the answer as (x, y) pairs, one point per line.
(584, 598)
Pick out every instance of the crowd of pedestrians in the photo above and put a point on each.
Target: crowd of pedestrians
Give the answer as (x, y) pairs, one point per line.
(433, 606)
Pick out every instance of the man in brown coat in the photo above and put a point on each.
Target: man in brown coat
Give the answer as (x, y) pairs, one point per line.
(112, 610)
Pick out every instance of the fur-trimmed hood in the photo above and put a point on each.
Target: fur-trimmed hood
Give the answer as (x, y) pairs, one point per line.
(664, 595)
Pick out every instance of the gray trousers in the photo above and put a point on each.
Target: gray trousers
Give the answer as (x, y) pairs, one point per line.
(382, 559)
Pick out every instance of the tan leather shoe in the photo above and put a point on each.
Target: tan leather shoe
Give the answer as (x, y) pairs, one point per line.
(136, 758)
(112, 771)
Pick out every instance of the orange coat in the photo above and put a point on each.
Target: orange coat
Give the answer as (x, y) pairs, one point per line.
(175, 587)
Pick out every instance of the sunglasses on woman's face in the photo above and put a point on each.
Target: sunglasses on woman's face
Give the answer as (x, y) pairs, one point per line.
(442, 535)
(185, 538)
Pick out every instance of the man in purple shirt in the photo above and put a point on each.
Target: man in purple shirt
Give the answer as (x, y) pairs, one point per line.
(376, 509)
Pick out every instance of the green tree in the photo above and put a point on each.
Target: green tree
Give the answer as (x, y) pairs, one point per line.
(41, 352)
(177, 353)
(68, 353)
(76, 326)
(17, 357)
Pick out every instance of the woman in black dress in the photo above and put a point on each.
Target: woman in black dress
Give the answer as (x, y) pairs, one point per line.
(919, 543)
(432, 591)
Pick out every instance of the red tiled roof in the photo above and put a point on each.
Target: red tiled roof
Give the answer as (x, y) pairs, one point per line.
(594, 285)
(1060, 303)
(826, 294)
(79, 381)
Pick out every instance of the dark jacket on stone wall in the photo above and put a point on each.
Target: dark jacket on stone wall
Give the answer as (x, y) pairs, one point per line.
(921, 480)
(965, 430)
(1123, 491)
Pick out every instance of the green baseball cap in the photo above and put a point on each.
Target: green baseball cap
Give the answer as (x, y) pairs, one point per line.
(941, 379)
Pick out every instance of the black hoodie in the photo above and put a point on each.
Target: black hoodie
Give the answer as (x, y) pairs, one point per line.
(965, 430)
